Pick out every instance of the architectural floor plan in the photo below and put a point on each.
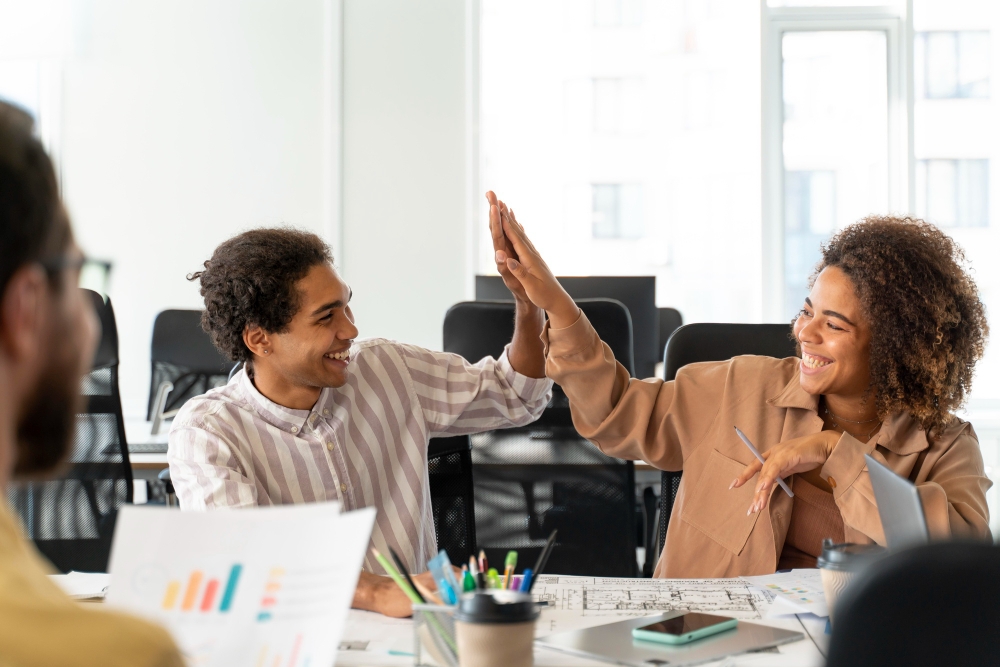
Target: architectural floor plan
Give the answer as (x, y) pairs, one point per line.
(596, 596)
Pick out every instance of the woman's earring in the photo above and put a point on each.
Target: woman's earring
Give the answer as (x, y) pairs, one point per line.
(265, 351)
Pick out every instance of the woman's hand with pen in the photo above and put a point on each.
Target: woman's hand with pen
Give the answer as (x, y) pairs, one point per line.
(786, 458)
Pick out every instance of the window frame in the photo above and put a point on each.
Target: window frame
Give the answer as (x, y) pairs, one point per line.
(897, 25)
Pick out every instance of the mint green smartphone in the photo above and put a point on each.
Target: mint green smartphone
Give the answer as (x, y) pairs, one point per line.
(683, 629)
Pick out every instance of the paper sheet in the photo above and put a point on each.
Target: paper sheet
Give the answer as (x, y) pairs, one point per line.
(616, 597)
(82, 585)
(247, 587)
(796, 592)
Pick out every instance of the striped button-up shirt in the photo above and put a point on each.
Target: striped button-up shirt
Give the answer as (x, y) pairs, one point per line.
(363, 444)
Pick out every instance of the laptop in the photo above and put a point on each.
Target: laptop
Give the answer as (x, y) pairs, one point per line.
(899, 507)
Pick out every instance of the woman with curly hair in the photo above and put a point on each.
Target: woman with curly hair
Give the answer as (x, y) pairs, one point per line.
(888, 337)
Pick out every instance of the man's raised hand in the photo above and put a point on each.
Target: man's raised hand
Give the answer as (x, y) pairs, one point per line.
(503, 248)
(522, 261)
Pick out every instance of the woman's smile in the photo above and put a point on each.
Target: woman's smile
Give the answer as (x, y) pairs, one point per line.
(813, 364)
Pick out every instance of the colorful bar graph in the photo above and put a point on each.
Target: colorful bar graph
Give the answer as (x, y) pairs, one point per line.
(210, 590)
(191, 593)
(295, 651)
(209, 595)
(170, 597)
(234, 578)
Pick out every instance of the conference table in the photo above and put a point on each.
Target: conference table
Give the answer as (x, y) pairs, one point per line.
(372, 640)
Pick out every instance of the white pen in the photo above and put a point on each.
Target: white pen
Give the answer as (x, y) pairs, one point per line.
(746, 441)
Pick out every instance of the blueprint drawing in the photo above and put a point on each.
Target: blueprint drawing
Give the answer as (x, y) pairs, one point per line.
(600, 596)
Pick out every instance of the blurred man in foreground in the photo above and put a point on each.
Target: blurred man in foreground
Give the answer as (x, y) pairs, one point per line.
(48, 333)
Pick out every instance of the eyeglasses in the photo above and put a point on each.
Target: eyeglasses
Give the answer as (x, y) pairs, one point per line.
(95, 274)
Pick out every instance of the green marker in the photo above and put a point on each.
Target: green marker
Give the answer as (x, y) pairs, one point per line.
(468, 582)
(492, 578)
(508, 571)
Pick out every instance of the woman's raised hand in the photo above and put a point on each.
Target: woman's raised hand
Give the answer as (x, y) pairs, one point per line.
(523, 269)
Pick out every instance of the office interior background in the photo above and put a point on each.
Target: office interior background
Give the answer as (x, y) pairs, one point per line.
(714, 144)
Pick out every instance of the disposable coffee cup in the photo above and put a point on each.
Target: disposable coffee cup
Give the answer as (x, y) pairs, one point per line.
(495, 628)
(839, 563)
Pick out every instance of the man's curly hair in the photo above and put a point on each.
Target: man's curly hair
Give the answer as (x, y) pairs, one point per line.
(927, 323)
(250, 281)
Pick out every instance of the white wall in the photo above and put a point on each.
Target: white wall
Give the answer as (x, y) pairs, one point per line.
(404, 187)
(185, 122)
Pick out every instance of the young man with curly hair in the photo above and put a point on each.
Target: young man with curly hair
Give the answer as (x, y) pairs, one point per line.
(48, 333)
(317, 414)
(889, 337)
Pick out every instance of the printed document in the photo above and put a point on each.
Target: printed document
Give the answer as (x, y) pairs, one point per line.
(257, 586)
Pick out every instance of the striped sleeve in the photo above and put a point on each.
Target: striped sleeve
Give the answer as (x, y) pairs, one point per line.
(205, 469)
(457, 397)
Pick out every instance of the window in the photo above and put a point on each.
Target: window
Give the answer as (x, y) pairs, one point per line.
(810, 212)
(619, 131)
(834, 143)
(953, 193)
(617, 211)
(951, 64)
(617, 13)
(617, 106)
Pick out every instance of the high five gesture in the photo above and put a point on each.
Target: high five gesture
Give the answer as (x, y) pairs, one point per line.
(523, 269)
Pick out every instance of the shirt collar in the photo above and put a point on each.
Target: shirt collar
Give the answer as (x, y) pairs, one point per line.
(287, 419)
(794, 396)
(900, 433)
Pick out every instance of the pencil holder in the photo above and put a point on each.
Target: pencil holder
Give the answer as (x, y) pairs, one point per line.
(434, 636)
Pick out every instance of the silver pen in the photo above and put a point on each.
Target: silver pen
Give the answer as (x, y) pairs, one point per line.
(746, 441)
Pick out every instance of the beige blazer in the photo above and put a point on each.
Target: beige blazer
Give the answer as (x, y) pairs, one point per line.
(687, 424)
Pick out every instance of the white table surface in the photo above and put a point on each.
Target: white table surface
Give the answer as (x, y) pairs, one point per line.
(139, 431)
(390, 641)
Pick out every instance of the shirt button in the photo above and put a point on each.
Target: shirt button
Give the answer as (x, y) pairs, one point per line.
(343, 488)
(295, 429)
(832, 481)
(329, 446)
(326, 413)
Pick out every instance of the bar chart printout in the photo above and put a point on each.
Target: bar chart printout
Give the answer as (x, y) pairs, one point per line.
(266, 586)
(202, 598)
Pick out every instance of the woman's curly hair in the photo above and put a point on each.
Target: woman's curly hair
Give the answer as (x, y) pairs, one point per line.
(927, 323)
(250, 281)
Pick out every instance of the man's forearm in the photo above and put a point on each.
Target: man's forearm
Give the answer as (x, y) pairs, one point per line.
(526, 353)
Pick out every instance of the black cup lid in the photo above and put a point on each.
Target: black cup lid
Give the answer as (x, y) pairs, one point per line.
(847, 556)
(496, 606)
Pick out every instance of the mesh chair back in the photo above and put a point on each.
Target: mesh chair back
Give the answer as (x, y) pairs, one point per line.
(477, 329)
(708, 341)
(183, 354)
(929, 605)
(449, 469)
(72, 519)
(528, 481)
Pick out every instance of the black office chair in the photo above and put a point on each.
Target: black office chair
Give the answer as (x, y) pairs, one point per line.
(708, 341)
(530, 481)
(930, 605)
(72, 519)
(670, 321)
(449, 469)
(184, 361)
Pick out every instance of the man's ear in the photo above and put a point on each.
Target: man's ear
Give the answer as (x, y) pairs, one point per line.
(21, 312)
(257, 341)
